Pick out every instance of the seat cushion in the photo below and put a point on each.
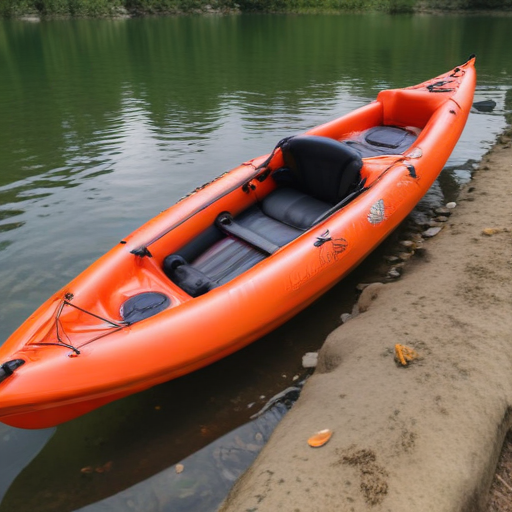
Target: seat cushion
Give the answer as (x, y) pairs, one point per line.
(227, 259)
(293, 208)
(267, 227)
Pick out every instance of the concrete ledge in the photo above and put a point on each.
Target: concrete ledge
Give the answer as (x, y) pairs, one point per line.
(425, 437)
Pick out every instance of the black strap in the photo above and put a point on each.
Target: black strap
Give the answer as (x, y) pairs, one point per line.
(338, 206)
(227, 224)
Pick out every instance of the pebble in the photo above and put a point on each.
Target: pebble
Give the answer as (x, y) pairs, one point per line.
(391, 258)
(443, 211)
(179, 468)
(394, 273)
(416, 237)
(345, 317)
(451, 205)
(405, 256)
(407, 244)
(430, 232)
(310, 360)
(441, 218)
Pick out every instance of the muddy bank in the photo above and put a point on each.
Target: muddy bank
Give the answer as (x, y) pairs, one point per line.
(423, 437)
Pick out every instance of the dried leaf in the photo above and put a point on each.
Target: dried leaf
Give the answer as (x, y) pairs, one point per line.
(491, 231)
(320, 438)
(103, 469)
(405, 355)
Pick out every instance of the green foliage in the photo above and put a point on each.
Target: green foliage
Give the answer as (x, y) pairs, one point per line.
(140, 7)
(400, 6)
(74, 8)
(102, 8)
(9, 8)
(468, 4)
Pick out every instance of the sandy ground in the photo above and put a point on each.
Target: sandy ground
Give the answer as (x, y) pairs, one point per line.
(428, 436)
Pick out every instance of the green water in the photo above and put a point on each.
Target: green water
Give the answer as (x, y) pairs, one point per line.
(105, 123)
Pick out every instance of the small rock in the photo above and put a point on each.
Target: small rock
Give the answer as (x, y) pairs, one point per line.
(430, 232)
(258, 437)
(345, 317)
(394, 273)
(443, 211)
(361, 286)
(405, 256)
(451, 205)
(407, 244)
(416, 237)
(368, 295)
(310, 360)
(179, 468)
(441, 218)
(391, 259)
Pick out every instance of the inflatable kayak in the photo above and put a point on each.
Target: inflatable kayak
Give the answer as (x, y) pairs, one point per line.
(234, 259)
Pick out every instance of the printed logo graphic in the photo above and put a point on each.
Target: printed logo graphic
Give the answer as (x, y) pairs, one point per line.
(377, 213)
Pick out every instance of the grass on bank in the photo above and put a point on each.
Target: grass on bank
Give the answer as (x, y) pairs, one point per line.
(106, 8)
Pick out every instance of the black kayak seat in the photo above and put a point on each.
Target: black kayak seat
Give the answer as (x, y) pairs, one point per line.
(319, 173)
(322, 168)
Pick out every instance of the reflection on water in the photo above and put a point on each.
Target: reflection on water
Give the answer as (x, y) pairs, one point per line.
(201, 481)
(18, 448)
(105, 123)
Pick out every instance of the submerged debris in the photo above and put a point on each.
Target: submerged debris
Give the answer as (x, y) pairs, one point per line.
(310, 359)
(288, 397)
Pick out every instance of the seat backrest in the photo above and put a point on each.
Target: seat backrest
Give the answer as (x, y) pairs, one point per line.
(323, 167)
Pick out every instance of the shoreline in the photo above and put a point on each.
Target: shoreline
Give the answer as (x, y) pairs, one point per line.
(121, 13)
(423, 437)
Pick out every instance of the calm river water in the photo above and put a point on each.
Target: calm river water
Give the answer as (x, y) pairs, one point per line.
(105, 123)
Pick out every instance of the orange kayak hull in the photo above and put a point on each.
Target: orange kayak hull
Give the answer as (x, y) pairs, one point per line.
(78, 352)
